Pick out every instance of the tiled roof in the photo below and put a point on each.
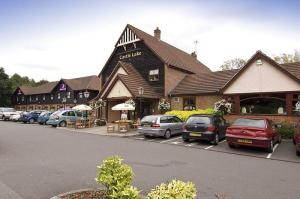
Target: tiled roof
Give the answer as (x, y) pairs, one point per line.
(170, 54)
(81, 83)
(204, 83)
(293, 68)
(134, 80)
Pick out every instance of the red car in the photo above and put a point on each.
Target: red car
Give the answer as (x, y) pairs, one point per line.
(296, 140)
(256, 132)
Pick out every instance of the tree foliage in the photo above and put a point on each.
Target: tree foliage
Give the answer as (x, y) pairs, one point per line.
(288, 58)
(5, 88)
(233, 64)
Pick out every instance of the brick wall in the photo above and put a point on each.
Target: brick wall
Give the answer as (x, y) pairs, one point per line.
(176, 105)
(274, 118)
(207, 101)
(172, 78)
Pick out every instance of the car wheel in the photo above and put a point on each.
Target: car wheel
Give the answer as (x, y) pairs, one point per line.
(146, 136)
(186, 140)
(216, 139)
(297, 153)
(31, 121)
(3, 118)
(271, 146)
(294, 141)
(167, 134)
(53, 126)
(62, 124)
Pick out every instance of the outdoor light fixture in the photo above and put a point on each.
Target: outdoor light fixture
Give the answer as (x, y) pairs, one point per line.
(86, 94)
(140, 90)
(75, 101)
(259, 62)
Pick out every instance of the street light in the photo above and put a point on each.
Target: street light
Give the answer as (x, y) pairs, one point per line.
(141, 93)
(75, 101)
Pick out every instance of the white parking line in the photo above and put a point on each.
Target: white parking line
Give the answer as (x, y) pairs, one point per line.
(169, 140)
(139, 138)
(176, 142)
(270, 154)
(192, 144)
(209, 147)
(222, 141)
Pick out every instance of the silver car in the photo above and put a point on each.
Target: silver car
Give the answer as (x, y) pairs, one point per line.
(6, 112)
(160, 126)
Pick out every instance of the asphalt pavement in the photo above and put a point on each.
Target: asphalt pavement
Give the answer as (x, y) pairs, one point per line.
(38, 162)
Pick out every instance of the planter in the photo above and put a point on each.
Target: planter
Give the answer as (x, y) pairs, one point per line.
(82, 194)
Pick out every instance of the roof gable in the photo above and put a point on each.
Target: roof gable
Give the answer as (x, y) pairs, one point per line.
(261, 74)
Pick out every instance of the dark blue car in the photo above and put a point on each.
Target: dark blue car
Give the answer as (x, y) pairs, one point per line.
(44, 117)
(30, 117)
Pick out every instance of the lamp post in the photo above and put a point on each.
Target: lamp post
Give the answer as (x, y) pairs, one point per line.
(141, 93)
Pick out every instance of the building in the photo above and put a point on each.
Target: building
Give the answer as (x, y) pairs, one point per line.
(144, 68)
(56, 95)
(142, 62)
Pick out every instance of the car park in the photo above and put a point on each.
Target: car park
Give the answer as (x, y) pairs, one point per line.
(44, 117)
(296, 141)
(160, 126)
(256, 132)
(6, 112)
(211, 128)
(30, 117)
(60, 118)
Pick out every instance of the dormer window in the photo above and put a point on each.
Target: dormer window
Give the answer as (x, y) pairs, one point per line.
(154, 75)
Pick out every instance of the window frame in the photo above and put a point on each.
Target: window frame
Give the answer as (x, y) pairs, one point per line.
(154, 75)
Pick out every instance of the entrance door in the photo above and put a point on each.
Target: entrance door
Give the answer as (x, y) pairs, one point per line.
(146, 109)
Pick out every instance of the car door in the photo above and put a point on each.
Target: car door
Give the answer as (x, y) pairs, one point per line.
(72, 116)
(164, 122)
(177, 124)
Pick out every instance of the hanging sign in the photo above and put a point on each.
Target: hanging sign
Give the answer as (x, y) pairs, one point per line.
(62, 87)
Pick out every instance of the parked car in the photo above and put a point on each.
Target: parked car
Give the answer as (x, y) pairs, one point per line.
(16, 116)
(211, 128)
(30, 117)
(59, 118)
(6, 112)
(44, 117)
(296, 140)
(160, 126)
(256, 132)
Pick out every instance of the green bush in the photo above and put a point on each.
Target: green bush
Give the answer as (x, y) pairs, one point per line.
(286, 130)
(117, 178)
(174, 190)
(185, 114)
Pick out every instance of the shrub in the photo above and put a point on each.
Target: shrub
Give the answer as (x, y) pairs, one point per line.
(185, 114)
(117, 178)
(174, 190)
(286, 130)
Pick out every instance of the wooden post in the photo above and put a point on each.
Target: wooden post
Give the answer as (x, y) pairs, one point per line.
(289, 103)
(237, 105)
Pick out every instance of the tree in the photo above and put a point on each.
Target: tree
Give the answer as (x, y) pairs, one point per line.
(288, 58)
(43, 81)
(233, 64)
(5, 88)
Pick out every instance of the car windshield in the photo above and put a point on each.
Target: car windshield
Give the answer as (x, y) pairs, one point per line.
(44, 113)
(250, 123)
(199, 120)
(149, 119)
(9, 110)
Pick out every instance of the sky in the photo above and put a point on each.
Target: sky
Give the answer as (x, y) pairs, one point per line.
(54, 39)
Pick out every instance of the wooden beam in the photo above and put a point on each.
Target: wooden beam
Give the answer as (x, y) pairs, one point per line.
(237, 104)
(289, 103)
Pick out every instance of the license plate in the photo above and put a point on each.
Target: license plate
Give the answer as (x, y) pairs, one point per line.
(196, 134)
(244, 141)
(146, 125)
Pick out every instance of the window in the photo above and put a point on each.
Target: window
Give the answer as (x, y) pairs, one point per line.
(36, 98)
(250, 122)
(176, 99)
(80, 95)
(17, 99)
(69, 95)
(58, 95)
(154, 75)
(30, 98)
(164, 120)
(51, 96)
(44, 97)
(189, 103)
(23, 98)
(176, 120)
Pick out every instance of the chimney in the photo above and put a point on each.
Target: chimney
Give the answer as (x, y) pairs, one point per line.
(194, 54)
(157, 33)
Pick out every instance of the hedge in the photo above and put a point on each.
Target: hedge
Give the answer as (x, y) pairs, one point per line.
(185, 114)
